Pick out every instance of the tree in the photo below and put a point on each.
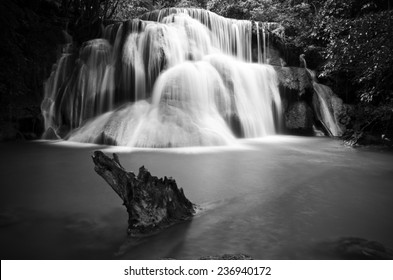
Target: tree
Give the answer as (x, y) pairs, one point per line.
(89, 10)
(357, 38)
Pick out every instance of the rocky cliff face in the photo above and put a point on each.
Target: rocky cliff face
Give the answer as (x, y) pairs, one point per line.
(310, 107)
(299, 118)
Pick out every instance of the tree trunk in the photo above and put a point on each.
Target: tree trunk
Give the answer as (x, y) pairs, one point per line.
(152, 203)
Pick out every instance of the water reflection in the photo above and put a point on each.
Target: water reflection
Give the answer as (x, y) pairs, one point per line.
(281, 199)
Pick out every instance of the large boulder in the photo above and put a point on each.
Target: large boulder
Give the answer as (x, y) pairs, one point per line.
(355, 248)
(294, 78)
(299, 118)
(50, 134)
(342, 112)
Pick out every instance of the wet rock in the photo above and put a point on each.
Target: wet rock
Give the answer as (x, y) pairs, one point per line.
(152, 203)
(8, 132)
(346, 115)
(294, 78)
(340, 112)
(236, 125)
(324, 97)
(105, 139)
(356, 248)
(50, 134)
(299, 118)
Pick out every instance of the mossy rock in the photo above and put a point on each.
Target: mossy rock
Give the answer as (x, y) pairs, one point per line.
(294, 78)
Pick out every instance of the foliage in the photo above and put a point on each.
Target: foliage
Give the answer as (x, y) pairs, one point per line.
(355, 41)
(349, 42)
(30, 36)
(358, 43)
(89, 10)
(232, 9)
(350, 37)
(132, 8)
(128, 9)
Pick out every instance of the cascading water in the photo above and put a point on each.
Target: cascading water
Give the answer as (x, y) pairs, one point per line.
(324, 94)
(185, 79)
(323, 106)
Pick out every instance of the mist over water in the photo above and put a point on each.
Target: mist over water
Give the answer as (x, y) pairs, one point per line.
(271, 198)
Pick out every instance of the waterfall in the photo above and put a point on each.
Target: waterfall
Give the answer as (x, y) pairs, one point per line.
(176, 77)
(325, 110)
(323, 106)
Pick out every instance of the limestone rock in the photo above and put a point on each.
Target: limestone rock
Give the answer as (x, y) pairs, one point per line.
(299, 117)
(294, 78)
(50, 134)
(342, 112)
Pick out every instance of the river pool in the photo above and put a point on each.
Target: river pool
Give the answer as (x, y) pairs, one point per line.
(281, 197)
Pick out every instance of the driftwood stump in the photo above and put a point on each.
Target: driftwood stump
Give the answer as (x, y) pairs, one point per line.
(152, 203)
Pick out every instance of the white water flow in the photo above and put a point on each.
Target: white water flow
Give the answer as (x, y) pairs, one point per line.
(327, 117)
(324, 106)
(186, 79)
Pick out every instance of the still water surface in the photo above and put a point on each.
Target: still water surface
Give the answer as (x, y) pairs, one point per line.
(278, 197)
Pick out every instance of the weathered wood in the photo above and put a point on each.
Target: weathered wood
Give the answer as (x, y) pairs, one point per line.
(152, 203)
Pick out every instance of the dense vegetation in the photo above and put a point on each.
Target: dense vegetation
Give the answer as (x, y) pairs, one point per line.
(349, 43)
(31, 35)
